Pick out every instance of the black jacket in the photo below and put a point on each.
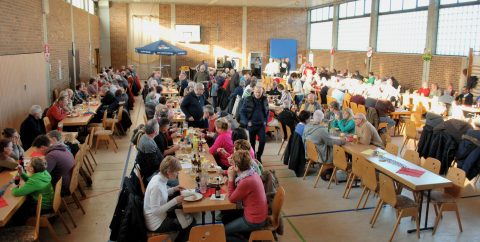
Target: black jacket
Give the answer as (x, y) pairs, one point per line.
(30, 129)
(254, 110)
(295, 155)
(149, 164)
(222, 98)
(289, 119)
(192, 106)
(425, 141)
(468, 154)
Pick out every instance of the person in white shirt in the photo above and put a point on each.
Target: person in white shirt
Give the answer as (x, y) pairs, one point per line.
(160, 213)
(297, 88)
(272, 68)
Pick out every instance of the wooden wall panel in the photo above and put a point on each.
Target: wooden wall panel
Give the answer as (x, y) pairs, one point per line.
(22, 84)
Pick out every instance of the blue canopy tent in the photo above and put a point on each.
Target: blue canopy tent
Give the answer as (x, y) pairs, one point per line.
(160, 48)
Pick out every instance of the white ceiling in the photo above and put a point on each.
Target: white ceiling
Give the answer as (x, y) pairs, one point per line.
(248, 3)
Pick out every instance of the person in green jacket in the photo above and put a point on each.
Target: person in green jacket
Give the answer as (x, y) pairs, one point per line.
(38, 182)
(346, 124)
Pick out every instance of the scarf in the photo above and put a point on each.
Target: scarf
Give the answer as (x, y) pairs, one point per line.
(244, 174)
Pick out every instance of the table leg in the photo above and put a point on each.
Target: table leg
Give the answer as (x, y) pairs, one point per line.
(203, 218)
(213, 217)
(425, 227)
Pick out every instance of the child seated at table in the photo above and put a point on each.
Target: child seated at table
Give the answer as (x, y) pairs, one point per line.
(223, 145)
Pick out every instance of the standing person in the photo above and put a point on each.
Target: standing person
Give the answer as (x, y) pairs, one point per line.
(254, 116)
(192, 106)
(12, 135)
(202, 75)
(283, 67)
(297, 89)
(214, 92)
(245, 185)
(183, 82)
(32, 126)
(257, 68)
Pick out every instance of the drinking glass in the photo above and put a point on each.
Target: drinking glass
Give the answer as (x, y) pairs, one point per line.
(203, 184)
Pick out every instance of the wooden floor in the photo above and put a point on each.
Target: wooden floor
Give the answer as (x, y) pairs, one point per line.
(309, 214)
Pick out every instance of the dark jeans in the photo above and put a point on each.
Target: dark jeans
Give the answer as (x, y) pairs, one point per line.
(298, 100)
(197, 124)
(240, 225)
(253, 131)
(214, 103)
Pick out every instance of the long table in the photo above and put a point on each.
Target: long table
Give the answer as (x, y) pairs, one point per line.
(30, 150)
(205, 204)
(425, 182)
(83, 118)
(13, 202)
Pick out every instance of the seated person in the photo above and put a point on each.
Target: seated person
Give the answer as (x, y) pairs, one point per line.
(434, 91)
(38, 182)
(333, 110)
(162, 141)
(56, 113)
(274, 90)
(241, 134)
(210, 117)
(245, 185)
(32, 126)
(243, 144)
(223, 145)
(384, 108)
(288, 118)
(161, 214)
(6, 160)
(466, 98)
(311, 104)
(12, 135)
(367, 134)
(318, 134)
(149, 155)
(304, 117)
(345, 124)
(285, 97)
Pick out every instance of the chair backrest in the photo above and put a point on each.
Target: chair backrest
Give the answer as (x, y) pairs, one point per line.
(361, 109)
(432, 165)
(289, 132)
(47, 124)
(104, 119)
(392, 149)
(38, 213)
(387, 190)
(277, 205)
(339, 158)
(76, 169)
(145, 119)
(369, 176)
(207, 233)
(457, 176)
(356, 165)
(312, 153)
(330, 99)
(412, 156)
(120, 114)
(89, 138)
(184, 68)
(138, 174)
(57, 198)
(410, 129)
(354, 107)
(160, 238)
(261, 235)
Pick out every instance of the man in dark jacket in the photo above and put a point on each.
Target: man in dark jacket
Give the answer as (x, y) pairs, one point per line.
(32, 127)
(192, 106)
(254, 116)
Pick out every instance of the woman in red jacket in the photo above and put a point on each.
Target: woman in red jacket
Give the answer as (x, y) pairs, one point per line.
(245, 185)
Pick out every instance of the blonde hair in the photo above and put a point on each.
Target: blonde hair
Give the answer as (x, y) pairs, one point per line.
(222, 124)
(242, 144)
(170, 164)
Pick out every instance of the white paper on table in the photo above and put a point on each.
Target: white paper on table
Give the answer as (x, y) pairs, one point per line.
(186, 165)
(221, 198)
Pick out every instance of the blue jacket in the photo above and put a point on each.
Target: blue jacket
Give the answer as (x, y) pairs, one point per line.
(254, 110)
(192, 106)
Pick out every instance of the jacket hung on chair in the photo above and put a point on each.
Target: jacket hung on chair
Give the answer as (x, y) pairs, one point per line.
(294, 155)
(468, 154)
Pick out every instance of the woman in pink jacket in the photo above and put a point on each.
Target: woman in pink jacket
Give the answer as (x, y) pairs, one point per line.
(223, 145)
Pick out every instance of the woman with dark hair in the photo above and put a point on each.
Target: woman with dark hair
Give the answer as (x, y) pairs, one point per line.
(303, 116)
(12, 135)
(233, 83)
(6, 161)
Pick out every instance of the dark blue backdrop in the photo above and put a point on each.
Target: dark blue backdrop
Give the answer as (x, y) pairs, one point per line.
(284, 48)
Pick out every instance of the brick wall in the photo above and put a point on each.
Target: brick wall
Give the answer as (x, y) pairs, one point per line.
(264, 24)
(118, 33)
(321, 58)
(221, 32)
(351, 60)
(21, 27)
(165, 22)
(406, 68)
(446, 69)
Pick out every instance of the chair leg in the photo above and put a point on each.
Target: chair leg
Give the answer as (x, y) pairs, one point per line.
(404, 143)
(437, 219)
(349, 178)
(361, 197)
(396, 225)
(89, 163)
(280, 149)
(115, 146)
(366, 199)
(318, 175)
(93, 157)
(458, 218)
(69, 213)
(351, 185)
(331, 177)
(417, 223)
(96, 144)
(63, 221)
(375, 216)
(79, 205)
(306, 169)
(52, 232)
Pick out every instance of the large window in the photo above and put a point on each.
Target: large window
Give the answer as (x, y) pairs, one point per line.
(402, 32)
(401, 5)
(447, 2)
(321, 28)
(321, 35)
(354, 34)
(355, 8)
(87, 5)
(458, 29)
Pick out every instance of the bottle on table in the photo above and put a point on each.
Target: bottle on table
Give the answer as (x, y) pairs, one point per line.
(217, 189)
(20, 161)
(197, 180)
(17, 180)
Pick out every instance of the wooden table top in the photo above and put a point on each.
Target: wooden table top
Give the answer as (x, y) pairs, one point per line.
(427, 181)
(13, 202)
(30, 150)
(83, 118)
(169, 92)
(188, 181)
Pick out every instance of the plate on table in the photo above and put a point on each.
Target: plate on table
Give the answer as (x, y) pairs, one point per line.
(195, 197)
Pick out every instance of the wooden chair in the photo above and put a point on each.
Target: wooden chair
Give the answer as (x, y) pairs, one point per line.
(145, 119)
(354, 107)
(410, 133)
(284, 139)
(24, 233)
(74, 181)
(138, 174)
(339, 163)
(277, 204)
(117, 120)
(44, 219)
(369, 180)
(330, 99)
(446, 201)
(412, 156)
(89, 145)
(404, 206)
(106, 136)
(87, 161)
(312, 156)
(47, 124)
(432, 165)
(160, 238)
(261, 235)
(361, 109)
(207, 233)
(352, 176)
(392, 149)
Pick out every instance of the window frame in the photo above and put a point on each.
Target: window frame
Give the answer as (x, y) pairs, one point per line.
(417, 8)
(330, 7)
(355, 10)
